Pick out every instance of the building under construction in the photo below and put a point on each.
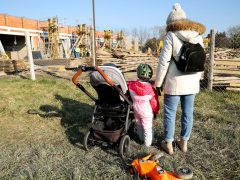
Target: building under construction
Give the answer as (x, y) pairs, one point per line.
(49, 40)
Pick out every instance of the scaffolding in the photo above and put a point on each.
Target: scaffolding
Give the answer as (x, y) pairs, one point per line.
(120, 41)
(107, 39)
(53, 38)
(83, 40)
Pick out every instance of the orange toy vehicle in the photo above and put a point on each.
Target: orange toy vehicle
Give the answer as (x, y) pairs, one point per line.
(147, 167)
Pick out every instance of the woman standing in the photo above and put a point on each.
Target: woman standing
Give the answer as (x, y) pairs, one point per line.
(178, 85)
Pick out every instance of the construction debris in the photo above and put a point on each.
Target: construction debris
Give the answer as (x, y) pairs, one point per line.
(11, 66)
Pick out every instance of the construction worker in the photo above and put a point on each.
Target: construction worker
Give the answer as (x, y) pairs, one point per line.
(77, 52)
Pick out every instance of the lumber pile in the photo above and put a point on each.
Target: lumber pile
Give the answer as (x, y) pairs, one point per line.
(11, 66)
(227, 73)
(226, 70)
(221, 53)
(125, 61)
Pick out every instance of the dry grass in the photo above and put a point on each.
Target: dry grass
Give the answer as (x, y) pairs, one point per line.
(42, 125)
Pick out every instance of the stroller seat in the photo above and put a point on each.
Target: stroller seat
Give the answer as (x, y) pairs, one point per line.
(106, 94)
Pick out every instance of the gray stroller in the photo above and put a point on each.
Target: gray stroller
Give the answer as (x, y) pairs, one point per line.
(113, 115)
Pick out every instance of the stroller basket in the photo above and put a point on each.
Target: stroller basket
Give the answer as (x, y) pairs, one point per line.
(111, 132)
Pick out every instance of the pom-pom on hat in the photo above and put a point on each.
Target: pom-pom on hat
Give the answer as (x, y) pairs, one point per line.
(176, 14)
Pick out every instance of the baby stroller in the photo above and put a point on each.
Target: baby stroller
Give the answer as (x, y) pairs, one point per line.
(113, 114)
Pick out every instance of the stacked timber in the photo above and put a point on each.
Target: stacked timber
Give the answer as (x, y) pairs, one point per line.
(130, 63)
(221, 53)
(125, 61)
(226, 71)
(11, 66)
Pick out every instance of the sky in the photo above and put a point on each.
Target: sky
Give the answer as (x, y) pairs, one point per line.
(126, 14)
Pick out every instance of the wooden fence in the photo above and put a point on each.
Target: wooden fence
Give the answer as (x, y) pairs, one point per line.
(223, 67)
(226, 73)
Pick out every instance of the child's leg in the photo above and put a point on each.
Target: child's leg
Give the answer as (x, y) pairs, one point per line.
(148, 130)
(139, 126)
(140, 132)
(148, 136)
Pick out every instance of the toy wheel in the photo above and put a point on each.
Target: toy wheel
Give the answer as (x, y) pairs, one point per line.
(184, 172)
(124, 146)
(88, 141)
(133, 171)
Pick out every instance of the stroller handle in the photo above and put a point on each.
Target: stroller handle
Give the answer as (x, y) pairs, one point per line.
(109, 81)
(74, 80)
(84, 68)
(79, 72)
(75, 76)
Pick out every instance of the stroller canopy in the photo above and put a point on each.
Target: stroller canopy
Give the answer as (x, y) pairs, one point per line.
(113, 73)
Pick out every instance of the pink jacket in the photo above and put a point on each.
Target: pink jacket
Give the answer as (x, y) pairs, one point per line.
(144, 97)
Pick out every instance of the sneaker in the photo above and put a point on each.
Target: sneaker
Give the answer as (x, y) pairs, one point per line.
(167, 147)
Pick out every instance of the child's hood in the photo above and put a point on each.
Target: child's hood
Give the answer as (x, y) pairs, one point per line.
(140, 88)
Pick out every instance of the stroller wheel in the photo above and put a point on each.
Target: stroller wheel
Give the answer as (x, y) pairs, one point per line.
(88, 141)
(124, 147)
(184, 172)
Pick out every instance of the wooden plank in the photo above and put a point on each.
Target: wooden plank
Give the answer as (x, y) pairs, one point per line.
(226, 72)
(223, 51)
(235, 85)
(228, 68)
(233, 59)
(216, 78)
(233, 89)
(227, 82)
(228, 62)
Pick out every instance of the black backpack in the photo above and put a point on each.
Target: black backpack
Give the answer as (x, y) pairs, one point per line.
(192, 58)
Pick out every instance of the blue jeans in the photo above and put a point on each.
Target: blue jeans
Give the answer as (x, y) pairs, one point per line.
(77, 54)
(169, 115)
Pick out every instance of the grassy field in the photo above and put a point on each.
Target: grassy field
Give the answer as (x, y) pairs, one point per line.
(42, 125)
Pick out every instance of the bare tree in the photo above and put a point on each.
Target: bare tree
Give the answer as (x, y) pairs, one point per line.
(134, 32)
(158, 32)
(145, 34)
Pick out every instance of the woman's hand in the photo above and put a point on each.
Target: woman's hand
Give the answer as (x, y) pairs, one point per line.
(158, 89)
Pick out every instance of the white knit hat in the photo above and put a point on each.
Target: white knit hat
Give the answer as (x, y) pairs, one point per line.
(176, 14)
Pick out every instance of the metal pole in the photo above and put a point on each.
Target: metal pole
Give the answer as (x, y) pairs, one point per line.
(211, 57)
(30, 57)
(94, 38)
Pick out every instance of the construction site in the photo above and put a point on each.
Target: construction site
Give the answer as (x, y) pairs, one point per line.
(79, 100)
(56, 48)
(53, 46)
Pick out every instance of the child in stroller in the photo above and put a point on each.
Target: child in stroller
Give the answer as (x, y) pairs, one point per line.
(113, 114)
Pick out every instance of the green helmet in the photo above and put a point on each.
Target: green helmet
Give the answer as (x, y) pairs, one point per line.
(144, 72)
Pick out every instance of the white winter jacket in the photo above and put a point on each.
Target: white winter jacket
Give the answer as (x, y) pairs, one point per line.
(174, 81)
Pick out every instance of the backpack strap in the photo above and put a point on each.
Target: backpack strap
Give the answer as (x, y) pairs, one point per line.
(184, 42)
